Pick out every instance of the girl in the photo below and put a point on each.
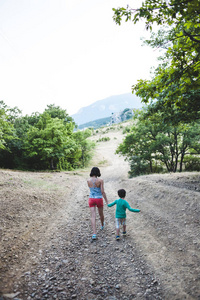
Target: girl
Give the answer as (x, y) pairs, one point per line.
(97, 193)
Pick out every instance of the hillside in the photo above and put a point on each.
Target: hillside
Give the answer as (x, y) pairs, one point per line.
(96, 123)
(46, 249)
(115, 118)
(105, 107)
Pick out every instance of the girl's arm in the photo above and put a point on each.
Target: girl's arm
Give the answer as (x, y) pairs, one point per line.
(88, 183)
(103, 192)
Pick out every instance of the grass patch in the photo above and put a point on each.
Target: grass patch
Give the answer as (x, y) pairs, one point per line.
(42, 184)
(103, 162)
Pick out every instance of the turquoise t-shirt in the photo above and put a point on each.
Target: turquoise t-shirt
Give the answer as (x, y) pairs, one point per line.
(122, 205)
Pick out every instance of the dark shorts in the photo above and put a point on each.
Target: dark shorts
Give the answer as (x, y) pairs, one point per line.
(95, 202)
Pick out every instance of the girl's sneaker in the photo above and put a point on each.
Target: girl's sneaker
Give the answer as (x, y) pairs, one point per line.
(117, 237)
(102, 227)
(124, 233)
(94, 237)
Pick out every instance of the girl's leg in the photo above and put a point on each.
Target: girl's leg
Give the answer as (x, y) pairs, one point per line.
(93, 218)
(101, 215)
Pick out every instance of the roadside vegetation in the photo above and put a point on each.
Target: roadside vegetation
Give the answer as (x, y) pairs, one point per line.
(45, 141)
(154, 146)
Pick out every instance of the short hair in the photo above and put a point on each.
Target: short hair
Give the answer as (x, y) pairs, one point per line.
(95, 172)
(122, 193)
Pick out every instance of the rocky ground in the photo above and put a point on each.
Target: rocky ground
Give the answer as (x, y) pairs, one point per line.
(46, 249)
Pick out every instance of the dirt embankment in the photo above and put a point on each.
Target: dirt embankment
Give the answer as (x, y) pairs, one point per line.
(46, 249)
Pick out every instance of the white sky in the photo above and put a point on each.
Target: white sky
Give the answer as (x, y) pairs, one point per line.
(68, 52)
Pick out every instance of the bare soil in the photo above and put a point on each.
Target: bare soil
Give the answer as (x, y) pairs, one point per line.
(45, 231)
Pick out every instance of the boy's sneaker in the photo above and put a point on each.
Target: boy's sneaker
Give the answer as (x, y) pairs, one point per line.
(117, 237)
(102, 227)
(124, 233)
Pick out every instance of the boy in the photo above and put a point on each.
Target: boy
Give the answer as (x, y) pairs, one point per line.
(120, 214)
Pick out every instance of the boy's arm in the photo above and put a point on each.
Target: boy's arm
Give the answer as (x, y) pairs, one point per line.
(112, 203)
(132, 209)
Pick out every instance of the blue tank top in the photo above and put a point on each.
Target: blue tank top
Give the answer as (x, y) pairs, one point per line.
(95, 192)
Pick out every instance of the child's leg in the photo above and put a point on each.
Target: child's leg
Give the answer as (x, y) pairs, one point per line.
(117, 221)
(101, 215)
(124, 226)
(93, 218)
(117, 231)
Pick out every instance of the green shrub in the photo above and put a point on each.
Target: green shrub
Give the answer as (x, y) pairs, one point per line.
(192, 163)
(126, 130)
(138, 167)
(103, 139)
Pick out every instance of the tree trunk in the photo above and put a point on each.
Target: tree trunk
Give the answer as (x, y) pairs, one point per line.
(182, 157)
(52, 164)
(151, 168)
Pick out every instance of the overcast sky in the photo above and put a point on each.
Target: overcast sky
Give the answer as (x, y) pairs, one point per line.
(68, 52)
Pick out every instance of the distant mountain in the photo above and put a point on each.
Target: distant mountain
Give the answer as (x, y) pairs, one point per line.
(105, 107)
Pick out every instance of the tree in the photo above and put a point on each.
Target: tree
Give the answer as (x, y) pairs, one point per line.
(58, 112)
(171, 12)
(49, 141)
(13, 156)
(6, 128)
(152, 144)
(42, 141)
(86, 146)
(176, 81)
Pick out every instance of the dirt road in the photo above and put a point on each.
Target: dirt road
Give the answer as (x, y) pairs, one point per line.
(46, 249)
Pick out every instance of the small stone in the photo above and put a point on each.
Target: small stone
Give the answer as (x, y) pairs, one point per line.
(65, 261)
(44, 292)
(118, 286)
(52, 278)
(92, 282)
(12, 295)
(27, 273)
(155, 282)
(139, 295)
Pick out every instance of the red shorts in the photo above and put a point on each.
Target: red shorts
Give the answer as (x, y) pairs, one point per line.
(95, 202)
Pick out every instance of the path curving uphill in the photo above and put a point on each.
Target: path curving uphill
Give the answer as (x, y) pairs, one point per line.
(46, 249)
